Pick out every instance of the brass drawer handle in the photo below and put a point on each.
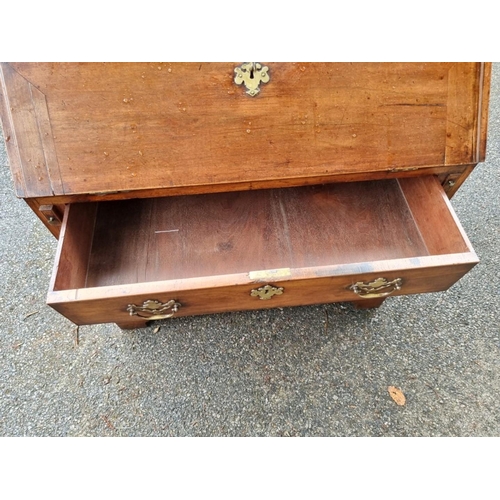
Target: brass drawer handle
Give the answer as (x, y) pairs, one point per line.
(154, 309)
(252, 75)
(378, 288)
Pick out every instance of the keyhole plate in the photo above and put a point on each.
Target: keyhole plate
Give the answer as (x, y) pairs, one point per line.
(251, 75)
(267, 292)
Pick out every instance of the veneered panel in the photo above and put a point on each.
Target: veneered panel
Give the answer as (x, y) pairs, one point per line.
(140, 126)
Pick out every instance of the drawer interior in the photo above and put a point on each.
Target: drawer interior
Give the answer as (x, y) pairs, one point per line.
(176, 238)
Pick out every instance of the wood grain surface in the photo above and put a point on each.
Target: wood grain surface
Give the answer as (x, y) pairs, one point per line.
(169, 127)
(230, 233)
(233, 292)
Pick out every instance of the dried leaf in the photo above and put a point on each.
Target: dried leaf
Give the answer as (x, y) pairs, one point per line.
(397, 395)
(157, 329)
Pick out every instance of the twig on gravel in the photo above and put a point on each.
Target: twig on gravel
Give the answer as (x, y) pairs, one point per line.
(77, 336)
(30, 314)
(435, 392)
(108, 423)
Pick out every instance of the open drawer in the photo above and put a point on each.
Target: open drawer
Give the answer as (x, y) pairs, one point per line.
(134, 260)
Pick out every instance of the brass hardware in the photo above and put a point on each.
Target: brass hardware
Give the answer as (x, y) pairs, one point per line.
(378, 288)
(270, 274)
(403, 169)
(252, 75)
(154, 309)
(51, 214)
(266, 292)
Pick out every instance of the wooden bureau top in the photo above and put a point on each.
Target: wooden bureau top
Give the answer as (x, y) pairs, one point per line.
(154, 129)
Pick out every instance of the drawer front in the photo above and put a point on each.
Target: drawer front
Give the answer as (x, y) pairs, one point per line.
(123, 305)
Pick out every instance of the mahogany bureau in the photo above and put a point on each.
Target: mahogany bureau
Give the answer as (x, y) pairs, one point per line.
(192, 188)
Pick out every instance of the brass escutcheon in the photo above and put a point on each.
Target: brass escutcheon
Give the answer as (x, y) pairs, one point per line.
(267, 292)
(377, 288)
(154, 309)
(252, 75)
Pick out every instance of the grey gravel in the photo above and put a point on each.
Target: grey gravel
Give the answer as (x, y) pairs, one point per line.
(305, 371)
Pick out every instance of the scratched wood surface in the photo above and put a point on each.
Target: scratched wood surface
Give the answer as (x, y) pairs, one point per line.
(77, 129)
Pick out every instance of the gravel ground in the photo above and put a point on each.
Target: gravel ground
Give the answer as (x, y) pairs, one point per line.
(305, 371)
